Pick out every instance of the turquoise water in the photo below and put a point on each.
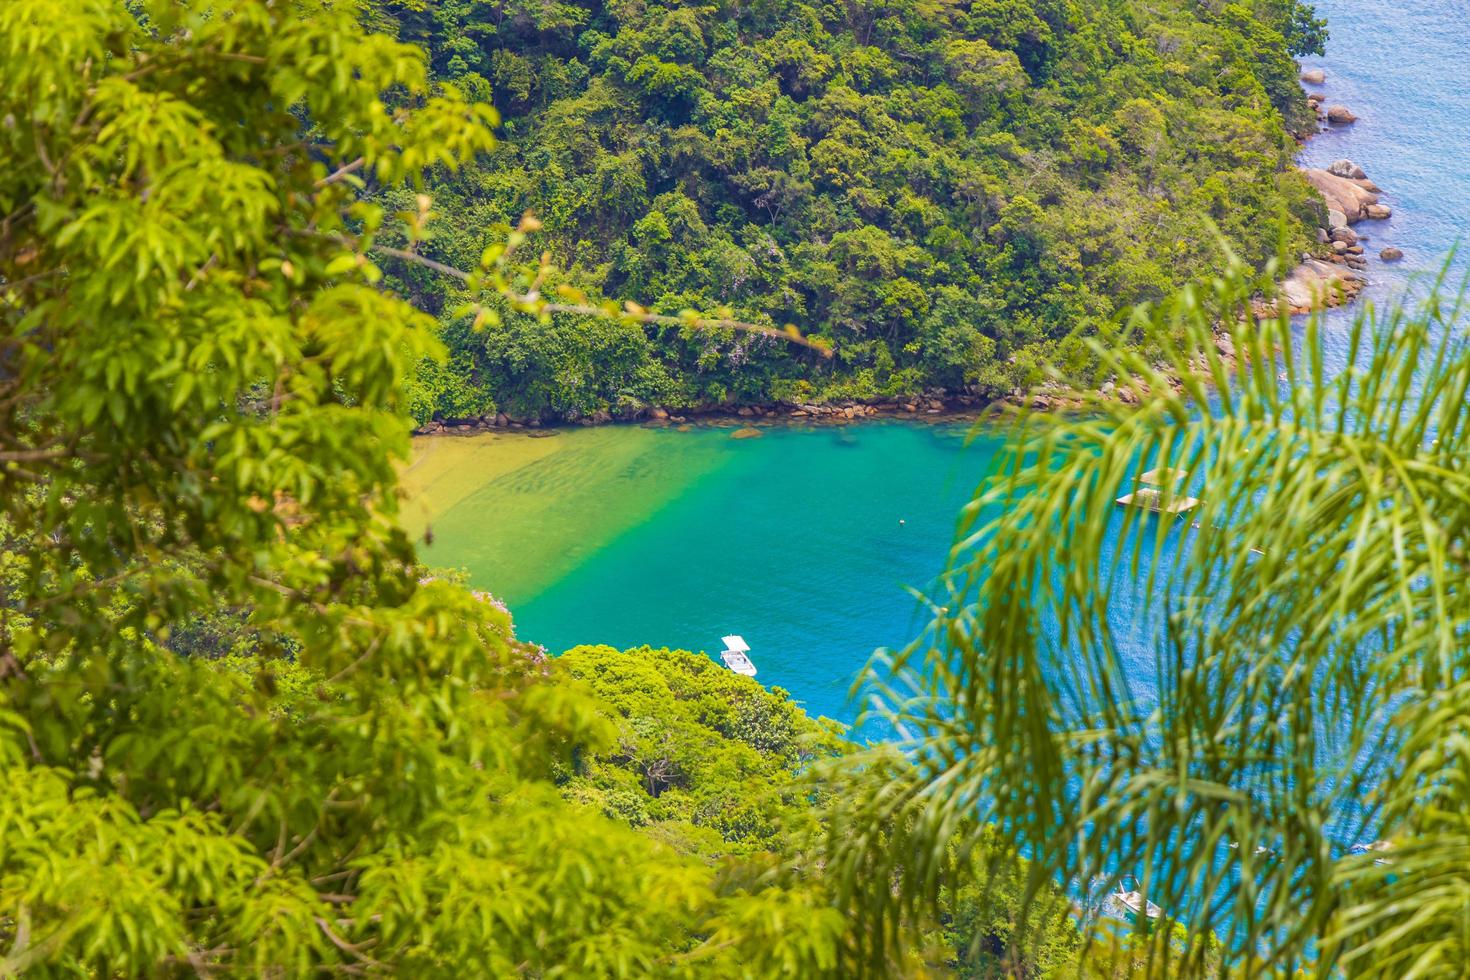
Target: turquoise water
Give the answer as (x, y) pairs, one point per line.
(804, 541)
(807, 541)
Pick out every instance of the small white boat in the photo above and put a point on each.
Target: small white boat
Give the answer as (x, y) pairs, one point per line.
(734, 655)
(1379, 846)
(1135, 902)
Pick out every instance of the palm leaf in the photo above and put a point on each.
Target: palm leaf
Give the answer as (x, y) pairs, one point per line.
(1219, 704)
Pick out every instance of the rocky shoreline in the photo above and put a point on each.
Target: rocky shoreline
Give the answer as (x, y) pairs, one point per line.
(1334, 278)
(935, 405)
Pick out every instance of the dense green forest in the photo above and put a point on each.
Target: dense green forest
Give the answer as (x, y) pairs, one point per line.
(943, 190)
(243, 732)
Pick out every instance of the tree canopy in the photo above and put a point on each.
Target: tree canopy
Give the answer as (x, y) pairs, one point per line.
(943, 191)
(201, 414)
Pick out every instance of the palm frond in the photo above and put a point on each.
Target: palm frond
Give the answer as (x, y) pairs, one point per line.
(1219, 704)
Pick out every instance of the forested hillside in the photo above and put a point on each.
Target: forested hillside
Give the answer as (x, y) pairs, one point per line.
(944, 190)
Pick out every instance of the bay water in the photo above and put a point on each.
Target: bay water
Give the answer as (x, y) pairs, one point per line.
(815, 542)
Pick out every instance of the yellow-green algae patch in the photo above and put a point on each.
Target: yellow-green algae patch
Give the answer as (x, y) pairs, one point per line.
(519, 510)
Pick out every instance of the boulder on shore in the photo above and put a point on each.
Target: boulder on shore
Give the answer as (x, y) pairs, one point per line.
(1342, 194)
(1346, 168)
(1391, 254)
(1314, 76)
(1345, 235)
(1378, 212)
(1315, 284)
(1341, 115)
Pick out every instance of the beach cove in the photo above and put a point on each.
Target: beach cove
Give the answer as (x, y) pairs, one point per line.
(632, 535)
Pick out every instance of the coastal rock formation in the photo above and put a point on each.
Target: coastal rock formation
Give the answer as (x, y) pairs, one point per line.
(1391, 254)
(1342, 194)
(1314, 76)
(1315, 284)
(1379, 211)
(1341, 115)
(1346, 168)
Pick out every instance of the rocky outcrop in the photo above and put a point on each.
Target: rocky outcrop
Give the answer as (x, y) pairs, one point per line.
(1344, 195)
(1314, 285)
(1340, 115)
(1391, 254)
(1346, 168)
(1314, 76)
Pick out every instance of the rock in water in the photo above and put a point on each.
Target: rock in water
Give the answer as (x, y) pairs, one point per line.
(1314, 76)
(1341, 115)
(1391, 254)
(749, 432)
(1379, 211)
(1346, 168)
(1347, 197)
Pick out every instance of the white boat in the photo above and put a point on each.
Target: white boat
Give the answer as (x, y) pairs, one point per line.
(1379, 846)
(1136, 903)
(734, 655)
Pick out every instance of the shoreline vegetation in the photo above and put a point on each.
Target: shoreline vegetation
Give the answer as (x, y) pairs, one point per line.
(1328, 277)
(945, 201)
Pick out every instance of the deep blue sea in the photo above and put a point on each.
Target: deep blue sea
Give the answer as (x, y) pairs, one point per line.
(1397, 65)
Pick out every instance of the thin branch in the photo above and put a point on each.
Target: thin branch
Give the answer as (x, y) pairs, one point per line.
(351, 950)
(531, 303)
(342, 171)
(414, 257)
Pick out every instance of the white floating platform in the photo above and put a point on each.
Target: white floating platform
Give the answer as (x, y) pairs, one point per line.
(1163, 476)
(1160, 503)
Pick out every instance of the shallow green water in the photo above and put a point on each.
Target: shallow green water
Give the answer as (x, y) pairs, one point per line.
(805, 540)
